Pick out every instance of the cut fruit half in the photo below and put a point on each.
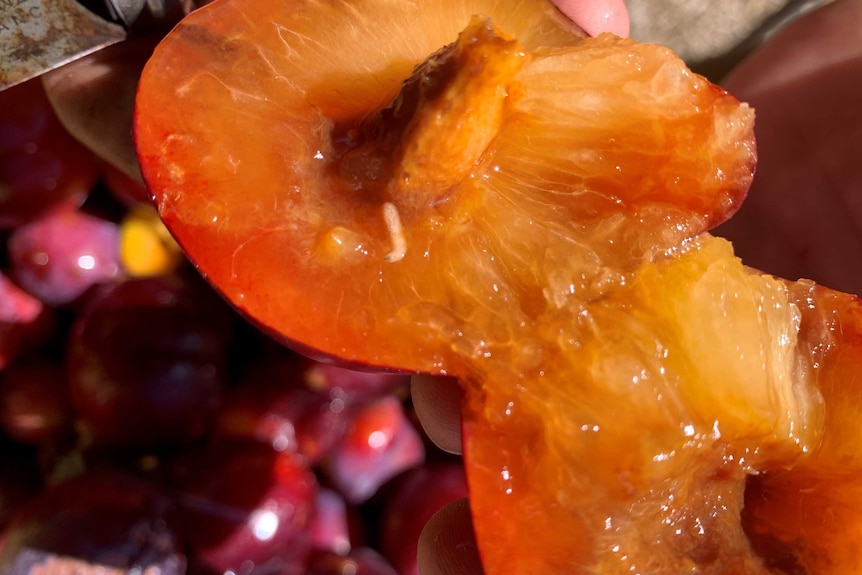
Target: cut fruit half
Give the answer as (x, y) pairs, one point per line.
(473, 188)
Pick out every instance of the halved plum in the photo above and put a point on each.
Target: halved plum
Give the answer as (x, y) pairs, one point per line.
(473, 188)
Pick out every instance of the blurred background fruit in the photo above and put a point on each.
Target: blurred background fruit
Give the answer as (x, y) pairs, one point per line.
(41, 166)
(143, 423)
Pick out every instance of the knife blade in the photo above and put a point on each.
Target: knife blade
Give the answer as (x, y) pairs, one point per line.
(40, 35)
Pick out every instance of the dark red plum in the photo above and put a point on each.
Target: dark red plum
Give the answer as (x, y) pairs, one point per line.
(99, 522)
(146, 362)
(419, 494)
(380, 444)
(42, 167)
(25, 322)
(59, 257)
(34, 405)
(358, 384)
(271, 405)
(20, 480)
(247, 508)
(361, 561)
(330, 529)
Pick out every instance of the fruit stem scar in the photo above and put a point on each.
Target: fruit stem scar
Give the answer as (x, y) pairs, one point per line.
(396, 233)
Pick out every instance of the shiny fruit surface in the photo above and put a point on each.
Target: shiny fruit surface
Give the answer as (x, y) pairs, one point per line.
(316, 208)
(42, 167)
(59, 257)
(248, 509)
(490, 195)
(270, 405)
(146, 362)
(806, 518)
(380, 444)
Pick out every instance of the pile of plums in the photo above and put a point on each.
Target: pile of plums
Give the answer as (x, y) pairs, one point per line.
(145, 426)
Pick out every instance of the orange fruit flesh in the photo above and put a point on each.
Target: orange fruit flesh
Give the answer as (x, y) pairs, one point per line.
(528, 214)
(808, 518)
(690, 379)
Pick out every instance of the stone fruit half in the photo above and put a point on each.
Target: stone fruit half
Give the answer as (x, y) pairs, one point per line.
(473, 188)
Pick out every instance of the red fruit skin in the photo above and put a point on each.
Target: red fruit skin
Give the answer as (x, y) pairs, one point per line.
(330, 528)
(34, 406)
(357, 384)
(380, 444)
(19, 481)
(25, 321)
(418, 495)
(248, 509)
(59, 257)
(42, 167)
(95, 521)
(271, 405)
(361, 561)
(146, 362)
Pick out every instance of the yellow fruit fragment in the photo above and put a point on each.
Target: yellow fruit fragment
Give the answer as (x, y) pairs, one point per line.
(146, 246)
